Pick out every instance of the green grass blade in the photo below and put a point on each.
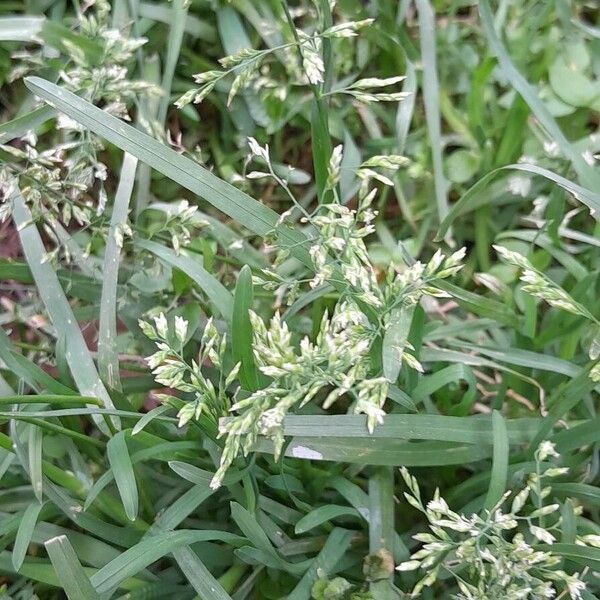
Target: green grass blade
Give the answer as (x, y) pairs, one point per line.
(257, 217)
(241, 330)
(120, 462)
(25, 533)
(431, 90)
(381, 527)
(34, 457)
(499, 475)
(323, 514)
(193, 25)
(179, 11)
(71, 575)
(198, 575)
(21, 125)
(394, 341)
(108, 359)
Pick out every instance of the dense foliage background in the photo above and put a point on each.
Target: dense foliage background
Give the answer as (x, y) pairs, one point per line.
(148, 210)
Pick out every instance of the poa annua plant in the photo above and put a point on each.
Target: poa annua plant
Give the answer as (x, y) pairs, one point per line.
(497, 553)
(338, 362)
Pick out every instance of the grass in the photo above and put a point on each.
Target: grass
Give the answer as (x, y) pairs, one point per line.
(242, 355)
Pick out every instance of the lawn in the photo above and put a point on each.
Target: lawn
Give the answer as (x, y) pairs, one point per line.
(299, 299)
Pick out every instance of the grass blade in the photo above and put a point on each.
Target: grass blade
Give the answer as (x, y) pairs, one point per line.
(146, 552)
(25, 533)
(323, 514)
(241, 330)
(499, 475)
(198, 575)
(431, 90)
(394, 341)
(29, 122)
(179, 11)
(34, 456)
(20, 29)
(108, 359)
(120, 463)
(472, 198)
(71, 575)
(324, 565)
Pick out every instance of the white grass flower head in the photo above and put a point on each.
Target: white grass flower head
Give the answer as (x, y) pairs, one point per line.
(162, 327)
(519, 186)
(333, 171)
(546, 449)
(181, 328)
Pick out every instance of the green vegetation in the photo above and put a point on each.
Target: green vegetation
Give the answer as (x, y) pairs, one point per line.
(299, 299)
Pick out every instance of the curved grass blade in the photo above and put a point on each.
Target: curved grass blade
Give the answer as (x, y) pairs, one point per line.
(473, 199)
(323, 514)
